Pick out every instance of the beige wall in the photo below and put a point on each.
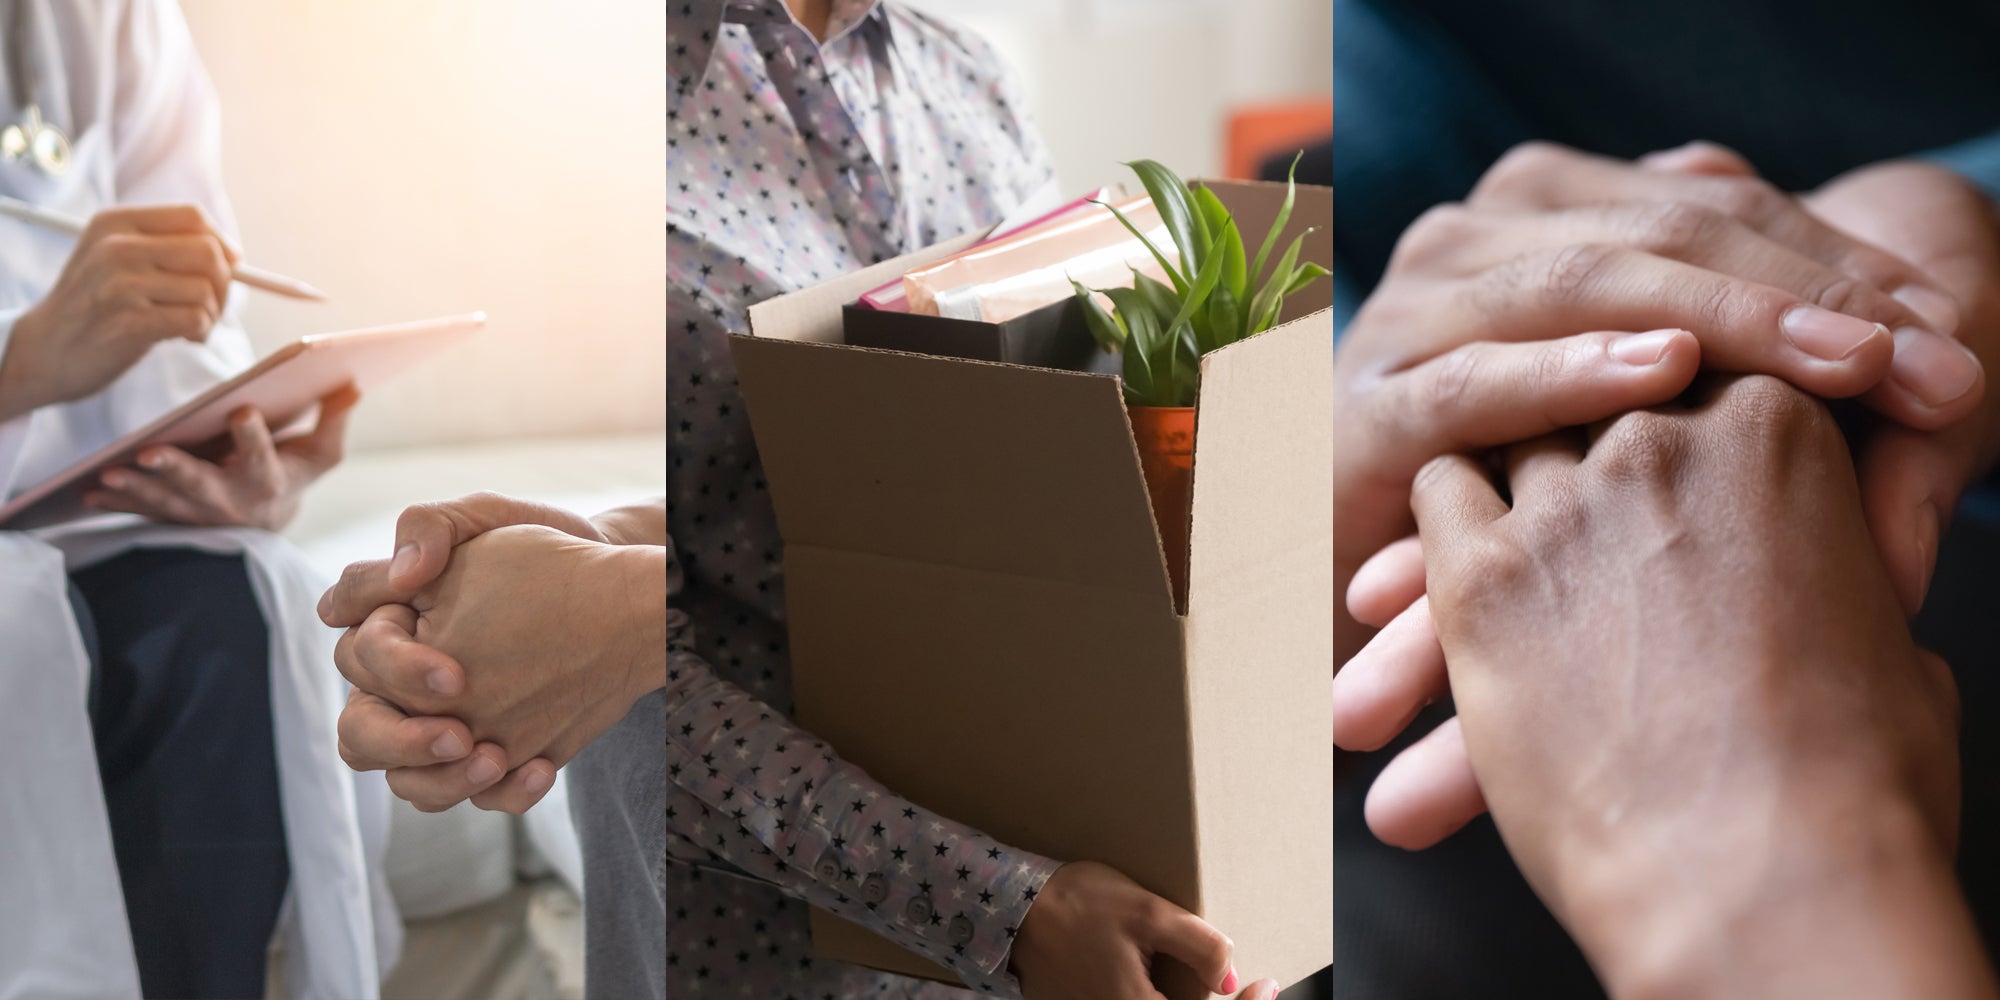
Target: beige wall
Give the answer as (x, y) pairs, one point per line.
(1162, 74)
(418, 157)
(422, 158)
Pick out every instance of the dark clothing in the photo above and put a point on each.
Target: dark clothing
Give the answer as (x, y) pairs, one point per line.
(1427, 94)
(180, 705)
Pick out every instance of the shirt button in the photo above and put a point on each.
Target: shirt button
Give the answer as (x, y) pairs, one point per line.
(827, 868)
(961, 929)
(875, 888)
(919, 910)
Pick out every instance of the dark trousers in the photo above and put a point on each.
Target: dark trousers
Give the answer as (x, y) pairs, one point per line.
(180, 704)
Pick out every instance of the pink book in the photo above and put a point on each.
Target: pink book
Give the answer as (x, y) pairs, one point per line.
(890, 297)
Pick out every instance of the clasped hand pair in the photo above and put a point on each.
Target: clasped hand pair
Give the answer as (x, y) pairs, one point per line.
(499, 640)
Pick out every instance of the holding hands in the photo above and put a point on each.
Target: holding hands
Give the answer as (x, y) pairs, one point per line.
(1913, 463)
(1525, 310)
(501, 639)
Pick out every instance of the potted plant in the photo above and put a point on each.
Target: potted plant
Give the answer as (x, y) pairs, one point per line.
(1217, 296)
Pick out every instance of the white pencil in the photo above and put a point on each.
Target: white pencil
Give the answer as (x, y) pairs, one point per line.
(254, 277)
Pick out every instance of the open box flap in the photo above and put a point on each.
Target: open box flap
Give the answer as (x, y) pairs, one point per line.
(813, 314)
(980, 466)
(1260, 643)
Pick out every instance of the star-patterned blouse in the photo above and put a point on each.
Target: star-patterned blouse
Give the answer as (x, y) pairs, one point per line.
(789, 162)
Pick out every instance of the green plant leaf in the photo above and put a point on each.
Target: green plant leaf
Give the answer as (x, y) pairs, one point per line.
(1185, 360)
(1264, 308)
(1180, 283)
(1204, 283)
(1228, 241)
(1143, 368)
(1163, 301)
(1306, 274)
(1277, 224)
(1104, 327)
(1225, 320)
(1170, 196)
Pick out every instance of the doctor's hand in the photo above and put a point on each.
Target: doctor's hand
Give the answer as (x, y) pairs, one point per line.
(1486, 329)
(258, 484)
(137, 276)
(1093, 934)
(536, 640)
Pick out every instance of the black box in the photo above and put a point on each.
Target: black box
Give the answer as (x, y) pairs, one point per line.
(1054, 336)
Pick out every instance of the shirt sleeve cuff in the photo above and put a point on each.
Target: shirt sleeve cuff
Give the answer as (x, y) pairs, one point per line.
(13, 433)
(1976, 159)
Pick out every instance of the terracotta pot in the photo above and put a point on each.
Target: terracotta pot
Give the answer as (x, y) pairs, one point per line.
(1165, 435)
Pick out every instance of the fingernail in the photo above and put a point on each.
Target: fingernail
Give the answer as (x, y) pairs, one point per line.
(1825, 334)
(325, 605)
(482, 770)
(1229, 981)
(1936, 309)
(152, 460)
(539, 781)
(442, 682)
(1643, 350)
(448, 747)
(405, 560)
(1934, 369)
(113, 478)
(1927, 542)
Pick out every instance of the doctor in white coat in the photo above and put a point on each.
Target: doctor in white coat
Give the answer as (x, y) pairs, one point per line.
(170, 790)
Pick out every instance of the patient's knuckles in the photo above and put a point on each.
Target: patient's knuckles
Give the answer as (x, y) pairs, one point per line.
(1769, 418)
(1644, 448)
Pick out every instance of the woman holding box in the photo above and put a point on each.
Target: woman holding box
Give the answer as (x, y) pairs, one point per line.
(804, 140)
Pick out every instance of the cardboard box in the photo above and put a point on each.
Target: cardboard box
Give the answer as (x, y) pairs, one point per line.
(980, 614)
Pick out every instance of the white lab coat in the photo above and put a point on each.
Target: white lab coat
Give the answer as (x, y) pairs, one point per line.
(121, 77)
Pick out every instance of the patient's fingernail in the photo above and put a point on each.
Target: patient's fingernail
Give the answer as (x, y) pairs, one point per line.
(448, 747)
(1936, 370)
(1936, 309)
(442, 682)
(539, 781)
(152, 459)
(325, 605)
(482, 770)
(1825, 334)
(1229, 981)
(113, 478)
(1643, 350)
(405, 560)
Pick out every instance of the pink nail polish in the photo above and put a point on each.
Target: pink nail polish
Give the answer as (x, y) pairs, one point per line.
(1229, 981)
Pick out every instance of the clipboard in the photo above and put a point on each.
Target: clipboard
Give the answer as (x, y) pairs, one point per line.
(286, 386)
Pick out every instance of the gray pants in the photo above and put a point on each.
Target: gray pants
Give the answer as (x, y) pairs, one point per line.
(617, 790)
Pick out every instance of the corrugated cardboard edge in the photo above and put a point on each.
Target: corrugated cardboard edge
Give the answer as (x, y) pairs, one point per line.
(1259, 658)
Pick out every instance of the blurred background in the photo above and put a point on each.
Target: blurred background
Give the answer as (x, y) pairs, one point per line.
(423, 159)
(1207, 87)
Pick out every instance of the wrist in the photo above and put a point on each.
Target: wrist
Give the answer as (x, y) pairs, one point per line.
(21, 390)
(1856, 900)
(639, 630)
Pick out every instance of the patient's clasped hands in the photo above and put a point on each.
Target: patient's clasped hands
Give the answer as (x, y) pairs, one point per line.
(500, 641)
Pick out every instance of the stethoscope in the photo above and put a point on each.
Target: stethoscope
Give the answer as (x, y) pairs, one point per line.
(31, 139)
